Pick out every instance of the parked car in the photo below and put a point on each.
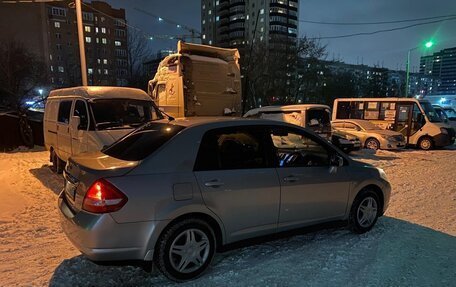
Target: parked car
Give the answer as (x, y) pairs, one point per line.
(371, 136)
(312, 116)
(171, 192)
(84, 119)
(447, 115)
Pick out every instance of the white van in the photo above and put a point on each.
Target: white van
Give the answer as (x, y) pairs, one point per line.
(85, 119)
(416, 119)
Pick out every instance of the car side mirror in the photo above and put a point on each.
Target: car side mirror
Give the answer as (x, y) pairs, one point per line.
(337, 160)
(75, 123)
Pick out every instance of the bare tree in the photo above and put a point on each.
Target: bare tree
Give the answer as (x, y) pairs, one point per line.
(272, 75)
(138, 51)
(21, 73)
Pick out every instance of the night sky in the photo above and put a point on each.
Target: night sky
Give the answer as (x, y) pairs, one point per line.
(387, 49)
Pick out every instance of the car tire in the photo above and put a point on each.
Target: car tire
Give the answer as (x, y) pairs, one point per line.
(372, 143)
(425, 143)
(57, 163)
(175, 254)
(364, 212)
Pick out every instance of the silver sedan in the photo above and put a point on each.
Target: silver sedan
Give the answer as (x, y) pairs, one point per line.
(171, 192)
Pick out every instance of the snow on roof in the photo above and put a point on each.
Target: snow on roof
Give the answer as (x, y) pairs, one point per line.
(285, 108)
(99, 92)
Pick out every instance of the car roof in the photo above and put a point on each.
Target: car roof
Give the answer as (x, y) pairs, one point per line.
(100, 92)
(354, 121)
(285, 108)
(220, 121)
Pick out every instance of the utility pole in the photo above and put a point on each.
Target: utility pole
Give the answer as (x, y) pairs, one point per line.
(81, 42)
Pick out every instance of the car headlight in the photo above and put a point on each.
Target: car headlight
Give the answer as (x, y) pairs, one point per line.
(444, 131)
(382, 174)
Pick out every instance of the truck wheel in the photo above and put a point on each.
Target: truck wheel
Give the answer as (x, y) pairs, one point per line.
(372, 143)
(425, 143)
(185, 250)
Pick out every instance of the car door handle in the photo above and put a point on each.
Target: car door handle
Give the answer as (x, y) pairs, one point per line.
(213, 183)
(290, 178)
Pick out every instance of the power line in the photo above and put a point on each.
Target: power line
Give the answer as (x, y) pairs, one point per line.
(377, 23)
(144, 34)
(381, 31)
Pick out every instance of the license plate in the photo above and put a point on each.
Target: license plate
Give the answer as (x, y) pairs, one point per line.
(70, 190)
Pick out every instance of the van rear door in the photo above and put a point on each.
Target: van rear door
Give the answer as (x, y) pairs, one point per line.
(63, 130)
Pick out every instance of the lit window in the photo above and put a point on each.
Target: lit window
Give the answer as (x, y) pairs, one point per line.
(105, 61)
(99, 71)
(217, 3)
(88, 40)
(61, 69)
(103, 40)
(210, 42)
(97, 40)
(87, 29)
(204, 22)
(57, 24)
(204, 36)
(52, 68)
(247, 17)
(98, 61)
(105, 71)
(96, 29)
(217, 18)
(210, 12)
(262, 11)
(90, 71)
(103, 30)
(204, 6)
(118, 43)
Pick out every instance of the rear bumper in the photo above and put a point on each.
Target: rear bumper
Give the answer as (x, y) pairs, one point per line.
(100, 238)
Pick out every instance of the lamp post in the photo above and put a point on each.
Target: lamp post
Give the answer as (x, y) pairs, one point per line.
(81, 42)
(428, 45)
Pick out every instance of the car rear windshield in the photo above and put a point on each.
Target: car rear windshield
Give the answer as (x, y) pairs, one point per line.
(143, 141)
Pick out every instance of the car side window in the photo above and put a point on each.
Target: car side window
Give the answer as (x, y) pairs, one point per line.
(296, 149)
(64, 112)
(232, 148)
(80, 110)
(350, 126)
(338, 125)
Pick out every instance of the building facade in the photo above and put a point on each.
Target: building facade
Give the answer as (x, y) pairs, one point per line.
(441, 66)
(238, 23)
(49, 30)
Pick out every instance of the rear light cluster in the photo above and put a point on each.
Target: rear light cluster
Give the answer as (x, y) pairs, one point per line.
(103, 197)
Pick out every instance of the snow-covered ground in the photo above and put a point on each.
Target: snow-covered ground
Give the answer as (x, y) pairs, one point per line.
(414, 244)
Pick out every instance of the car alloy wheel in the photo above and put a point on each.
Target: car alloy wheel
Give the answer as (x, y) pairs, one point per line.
(189, 251)
(372, 144)
(185, 250)
(367, 212)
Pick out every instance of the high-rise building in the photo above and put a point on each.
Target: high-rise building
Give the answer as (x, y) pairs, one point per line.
(441, 66)
(236, 23)
(49, 30)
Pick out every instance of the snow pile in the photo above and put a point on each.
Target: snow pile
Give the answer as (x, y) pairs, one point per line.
(413, 245)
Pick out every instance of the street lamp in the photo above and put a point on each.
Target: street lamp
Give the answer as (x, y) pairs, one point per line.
(428, 45)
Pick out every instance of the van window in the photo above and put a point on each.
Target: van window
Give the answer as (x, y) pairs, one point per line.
(80, 110)
(319, 115)
(64, 112)
(142, 142)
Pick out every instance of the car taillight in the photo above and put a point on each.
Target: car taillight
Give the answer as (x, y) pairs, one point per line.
(103, 197)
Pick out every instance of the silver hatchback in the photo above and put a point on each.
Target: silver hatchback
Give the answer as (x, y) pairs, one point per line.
(171, 192)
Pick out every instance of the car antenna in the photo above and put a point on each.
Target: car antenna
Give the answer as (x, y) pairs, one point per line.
(170, 118)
